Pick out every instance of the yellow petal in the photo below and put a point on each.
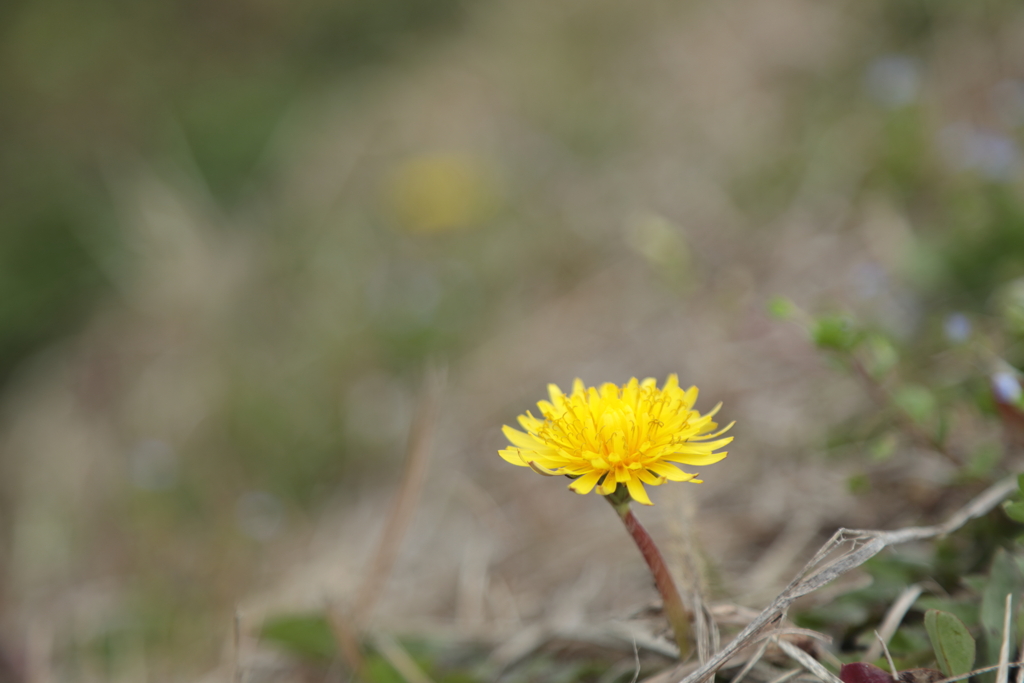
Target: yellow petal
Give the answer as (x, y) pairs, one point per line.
(721, 431)
(648, 478)
(586, 483)
(688, 397)
(546, 408)
(609, 391)
(512, 455)
(713, 411)
(697, 460)
(529, 422)
(631, 393)
(670, 472)
(637, 492)
(704, 446)
(541, 470)
(522, 439)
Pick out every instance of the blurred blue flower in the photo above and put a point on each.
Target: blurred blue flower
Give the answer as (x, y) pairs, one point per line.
(892, 81)
(994, 155)
(1006, 387)
(957, 327)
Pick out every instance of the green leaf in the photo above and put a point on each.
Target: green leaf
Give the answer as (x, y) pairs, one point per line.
(880, 355)
(964, 610)
(916, 401)
(883, 448)
(1003, 578)
(976, 582)
(1014, 511)
(858, 484)
(834, 332)
(954, 647)
(983, 461)
(306, 635)
(781, 308)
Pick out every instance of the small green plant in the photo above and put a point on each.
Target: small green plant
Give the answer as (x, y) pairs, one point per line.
(962, 617)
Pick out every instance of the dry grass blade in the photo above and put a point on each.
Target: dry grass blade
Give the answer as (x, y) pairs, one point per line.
(397, 657)
(1004, 648)
(705, 630)
(1020, 669)
(752, 661)
(636, 658)
(345, 637)
(693, 585)
(418, 452)
(892, 621)
(786, 676)
(866, 544)
(806, 661)
(888, 657)
(976, 672)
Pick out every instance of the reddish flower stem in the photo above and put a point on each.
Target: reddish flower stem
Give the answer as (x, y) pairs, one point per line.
(676, 612)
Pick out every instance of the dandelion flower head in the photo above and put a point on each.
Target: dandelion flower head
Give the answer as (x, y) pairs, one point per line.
(603, 437)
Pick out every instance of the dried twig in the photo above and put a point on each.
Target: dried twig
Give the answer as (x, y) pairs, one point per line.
(817, 573)
(892, 621)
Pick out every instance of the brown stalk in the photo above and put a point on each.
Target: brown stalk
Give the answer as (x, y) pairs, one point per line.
(676, 612)
(346, 638)
(345, 625)
(417, 454)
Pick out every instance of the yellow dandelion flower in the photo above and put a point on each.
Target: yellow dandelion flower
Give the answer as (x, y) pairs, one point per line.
(603, 437)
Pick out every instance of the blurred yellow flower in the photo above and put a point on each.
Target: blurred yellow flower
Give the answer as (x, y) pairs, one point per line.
(442, 192)
(617, 435)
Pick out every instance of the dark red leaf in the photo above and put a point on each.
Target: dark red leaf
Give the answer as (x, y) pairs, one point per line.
(860, 672)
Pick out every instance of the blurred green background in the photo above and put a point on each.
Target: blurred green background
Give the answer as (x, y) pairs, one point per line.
(234, 232)
(201, 85)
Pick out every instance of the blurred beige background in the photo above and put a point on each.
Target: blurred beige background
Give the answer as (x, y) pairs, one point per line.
(240, 234)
